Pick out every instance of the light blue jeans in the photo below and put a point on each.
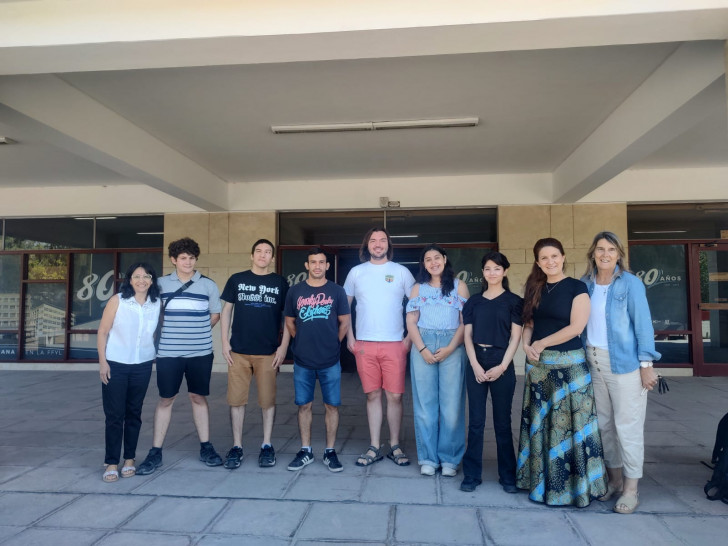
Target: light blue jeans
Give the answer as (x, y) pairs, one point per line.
(438, 395)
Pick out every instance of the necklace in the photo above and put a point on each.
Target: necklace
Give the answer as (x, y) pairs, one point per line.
(605, 287)
(550, 289)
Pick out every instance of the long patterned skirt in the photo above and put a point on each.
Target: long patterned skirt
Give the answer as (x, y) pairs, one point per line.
(560, 458)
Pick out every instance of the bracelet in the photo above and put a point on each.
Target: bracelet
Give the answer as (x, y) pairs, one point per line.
(423, 348)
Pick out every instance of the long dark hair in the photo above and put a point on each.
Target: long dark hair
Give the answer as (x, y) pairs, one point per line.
(364, 255)
(537, 279)
(447, 280)
(498, 259)
(127, 290)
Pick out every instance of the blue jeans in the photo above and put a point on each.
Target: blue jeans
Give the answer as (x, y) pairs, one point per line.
(501, 397)
(438, 395)
(304, 383)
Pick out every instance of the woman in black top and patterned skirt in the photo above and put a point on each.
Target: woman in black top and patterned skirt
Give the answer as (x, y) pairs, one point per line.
(560, 451)
(492, 333)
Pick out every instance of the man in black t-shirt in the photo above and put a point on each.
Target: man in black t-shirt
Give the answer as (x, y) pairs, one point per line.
(317, 317)
(254, 299)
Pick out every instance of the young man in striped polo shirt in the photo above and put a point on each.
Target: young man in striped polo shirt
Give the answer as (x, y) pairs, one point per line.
(185, 349)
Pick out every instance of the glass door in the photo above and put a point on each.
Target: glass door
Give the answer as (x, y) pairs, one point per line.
(711, 319)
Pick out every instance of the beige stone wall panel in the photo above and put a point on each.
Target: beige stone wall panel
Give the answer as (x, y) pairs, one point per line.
(517, 275)
(562, 224)
(514, 255)
(237, 262)
(590, 219)
(247, 227)
(194, 225)
(522, 226)
(219, 237)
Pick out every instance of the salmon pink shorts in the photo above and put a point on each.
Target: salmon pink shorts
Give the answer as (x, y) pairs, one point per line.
(381, 364)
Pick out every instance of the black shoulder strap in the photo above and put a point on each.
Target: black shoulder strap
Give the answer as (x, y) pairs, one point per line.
(181, 289)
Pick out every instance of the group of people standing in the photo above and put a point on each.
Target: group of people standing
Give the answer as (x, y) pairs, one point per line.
(589, 348)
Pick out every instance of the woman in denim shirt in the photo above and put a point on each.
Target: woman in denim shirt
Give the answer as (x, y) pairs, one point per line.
(620, 349)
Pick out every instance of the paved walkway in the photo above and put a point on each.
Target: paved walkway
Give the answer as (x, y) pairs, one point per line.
(51, 450)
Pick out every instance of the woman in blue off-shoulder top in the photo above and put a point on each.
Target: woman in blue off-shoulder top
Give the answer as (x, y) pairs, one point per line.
(435, 326)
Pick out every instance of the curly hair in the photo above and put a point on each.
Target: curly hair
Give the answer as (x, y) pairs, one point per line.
(184, 246)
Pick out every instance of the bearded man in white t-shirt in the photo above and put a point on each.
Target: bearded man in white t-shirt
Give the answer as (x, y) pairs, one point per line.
(380, 287)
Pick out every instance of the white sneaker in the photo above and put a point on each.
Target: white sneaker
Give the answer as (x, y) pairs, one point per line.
(427, 470)
(449, 472)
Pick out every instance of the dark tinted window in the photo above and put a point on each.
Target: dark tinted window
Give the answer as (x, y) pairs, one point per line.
(48, 233)
(130, 232)
(677, 221)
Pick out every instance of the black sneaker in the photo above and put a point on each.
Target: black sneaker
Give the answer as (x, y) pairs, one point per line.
(209, 456)
(267, 456)
(332, 461)
(151, 463)
(233, 458)
(508, 487)
(469, 484)
(302, 459)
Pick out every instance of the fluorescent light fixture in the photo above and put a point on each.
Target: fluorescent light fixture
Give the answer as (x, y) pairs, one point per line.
(375, 125)
(661, 231)
(403, 236)
(425, 123)
(84, 218)
(322, 128)
(106, 217)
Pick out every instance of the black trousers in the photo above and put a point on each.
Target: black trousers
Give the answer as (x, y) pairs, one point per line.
(501, 396)
(123, 398)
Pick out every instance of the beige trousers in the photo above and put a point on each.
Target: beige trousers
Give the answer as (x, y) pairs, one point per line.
(621, 410)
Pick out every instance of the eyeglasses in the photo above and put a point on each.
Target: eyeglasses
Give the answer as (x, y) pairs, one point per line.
(141, 277)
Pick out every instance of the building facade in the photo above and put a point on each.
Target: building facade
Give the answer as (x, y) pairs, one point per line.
(475, 125)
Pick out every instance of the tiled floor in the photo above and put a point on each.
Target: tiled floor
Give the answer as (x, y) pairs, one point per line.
(51, 454)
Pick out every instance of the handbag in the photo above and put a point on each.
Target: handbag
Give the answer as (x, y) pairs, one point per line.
(160, 322)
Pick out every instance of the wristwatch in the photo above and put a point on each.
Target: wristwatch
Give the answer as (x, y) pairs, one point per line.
(645, 364)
